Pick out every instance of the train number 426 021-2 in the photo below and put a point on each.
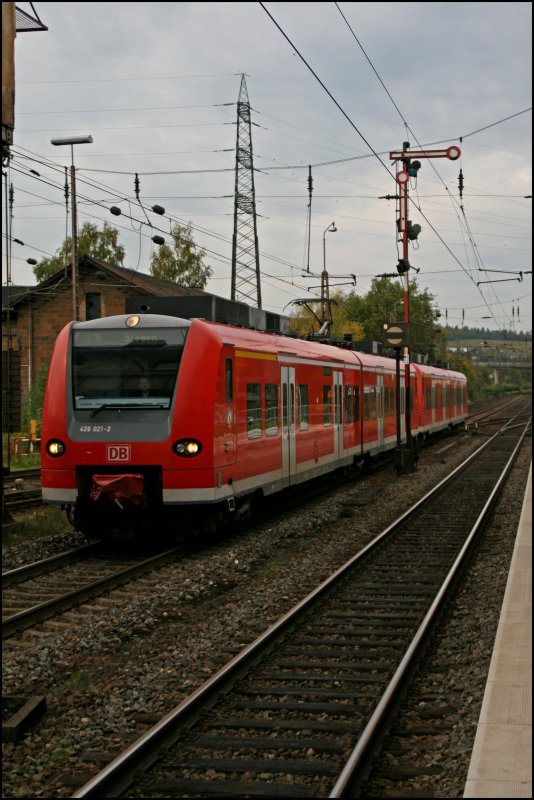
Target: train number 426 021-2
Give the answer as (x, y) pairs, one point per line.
(95, 428)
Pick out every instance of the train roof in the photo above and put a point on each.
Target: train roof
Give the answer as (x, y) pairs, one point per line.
(439, 372)
(301, 348)
(275, 343)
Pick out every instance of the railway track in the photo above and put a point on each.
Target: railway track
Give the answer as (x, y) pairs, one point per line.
(494, 411)
(300, 710)
(36, 592)
(22, 489)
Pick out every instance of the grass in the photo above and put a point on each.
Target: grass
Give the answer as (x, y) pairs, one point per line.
(35, 524)
(26, 461)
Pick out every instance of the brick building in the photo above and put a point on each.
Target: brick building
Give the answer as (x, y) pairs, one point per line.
(34, 315)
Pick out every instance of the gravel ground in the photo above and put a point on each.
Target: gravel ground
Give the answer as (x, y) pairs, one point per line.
(100, 673)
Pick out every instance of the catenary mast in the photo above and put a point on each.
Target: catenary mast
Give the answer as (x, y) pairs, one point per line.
(245, 254)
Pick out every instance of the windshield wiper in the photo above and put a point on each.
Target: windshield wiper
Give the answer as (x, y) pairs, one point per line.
(120, 408)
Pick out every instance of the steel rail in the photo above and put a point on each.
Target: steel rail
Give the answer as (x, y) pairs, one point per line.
(117, 775)
(15, 576)
(372, 729)
(42, 611)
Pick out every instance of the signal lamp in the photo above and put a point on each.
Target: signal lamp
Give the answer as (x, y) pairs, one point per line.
(187, 448)
(413, 231)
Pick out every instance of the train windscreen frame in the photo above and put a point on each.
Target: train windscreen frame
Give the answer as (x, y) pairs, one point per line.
(126, 368)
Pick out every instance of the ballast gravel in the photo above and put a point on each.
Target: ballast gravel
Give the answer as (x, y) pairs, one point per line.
(108, 675)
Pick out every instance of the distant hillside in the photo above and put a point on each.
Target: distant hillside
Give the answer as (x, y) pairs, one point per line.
(481, 334)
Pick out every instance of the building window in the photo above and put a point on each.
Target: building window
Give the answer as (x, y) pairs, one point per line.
(93, 306)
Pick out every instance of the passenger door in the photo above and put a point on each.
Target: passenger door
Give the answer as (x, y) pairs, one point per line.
(338, 414)
(289, 451)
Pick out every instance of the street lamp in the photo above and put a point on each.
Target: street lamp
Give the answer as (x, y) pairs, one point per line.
(72, 140)
(325, 292)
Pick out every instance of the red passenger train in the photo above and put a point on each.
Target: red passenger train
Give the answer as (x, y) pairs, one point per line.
(150, 419)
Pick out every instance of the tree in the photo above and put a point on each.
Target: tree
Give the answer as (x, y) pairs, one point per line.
(384, 303)
(102, 244)
(183, 262)
(32, 407)
(305, 321)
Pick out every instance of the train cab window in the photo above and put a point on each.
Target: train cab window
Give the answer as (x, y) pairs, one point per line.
(304, 409)
(327, 405)
(253, 410)
(271, 409)
(229, 380)
(126, 368)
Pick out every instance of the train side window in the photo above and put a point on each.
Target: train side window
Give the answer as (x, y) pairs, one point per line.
(229, 381)
(327, 405)
(380, 402)
(271, 409)
(348, 405)
(253, 410)
(304, 417)
(356, 403)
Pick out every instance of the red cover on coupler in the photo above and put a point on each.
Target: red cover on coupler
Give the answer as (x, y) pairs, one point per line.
(118, 488)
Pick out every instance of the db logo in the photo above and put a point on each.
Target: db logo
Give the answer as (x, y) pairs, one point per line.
(118, 452)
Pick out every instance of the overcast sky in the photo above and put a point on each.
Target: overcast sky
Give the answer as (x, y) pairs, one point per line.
(156, 85)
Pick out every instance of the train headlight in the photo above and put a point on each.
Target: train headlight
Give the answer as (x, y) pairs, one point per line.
(187, 448)
(55, 448)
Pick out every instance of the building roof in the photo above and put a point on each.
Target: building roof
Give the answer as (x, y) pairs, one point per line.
(94, 268)
(14, 293)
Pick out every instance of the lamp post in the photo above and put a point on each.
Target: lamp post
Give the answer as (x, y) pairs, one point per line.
(72, 140)
(325, 292)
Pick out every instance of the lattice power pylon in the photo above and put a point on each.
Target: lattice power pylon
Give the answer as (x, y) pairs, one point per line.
(245, 254)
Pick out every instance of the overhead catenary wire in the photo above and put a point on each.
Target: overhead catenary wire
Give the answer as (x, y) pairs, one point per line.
(150, 188)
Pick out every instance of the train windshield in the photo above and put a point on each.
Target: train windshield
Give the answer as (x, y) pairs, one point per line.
(126, 369)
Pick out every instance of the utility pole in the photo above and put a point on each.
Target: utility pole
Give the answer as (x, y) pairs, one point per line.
(245, 252)
(409, 169)
(72, 140)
